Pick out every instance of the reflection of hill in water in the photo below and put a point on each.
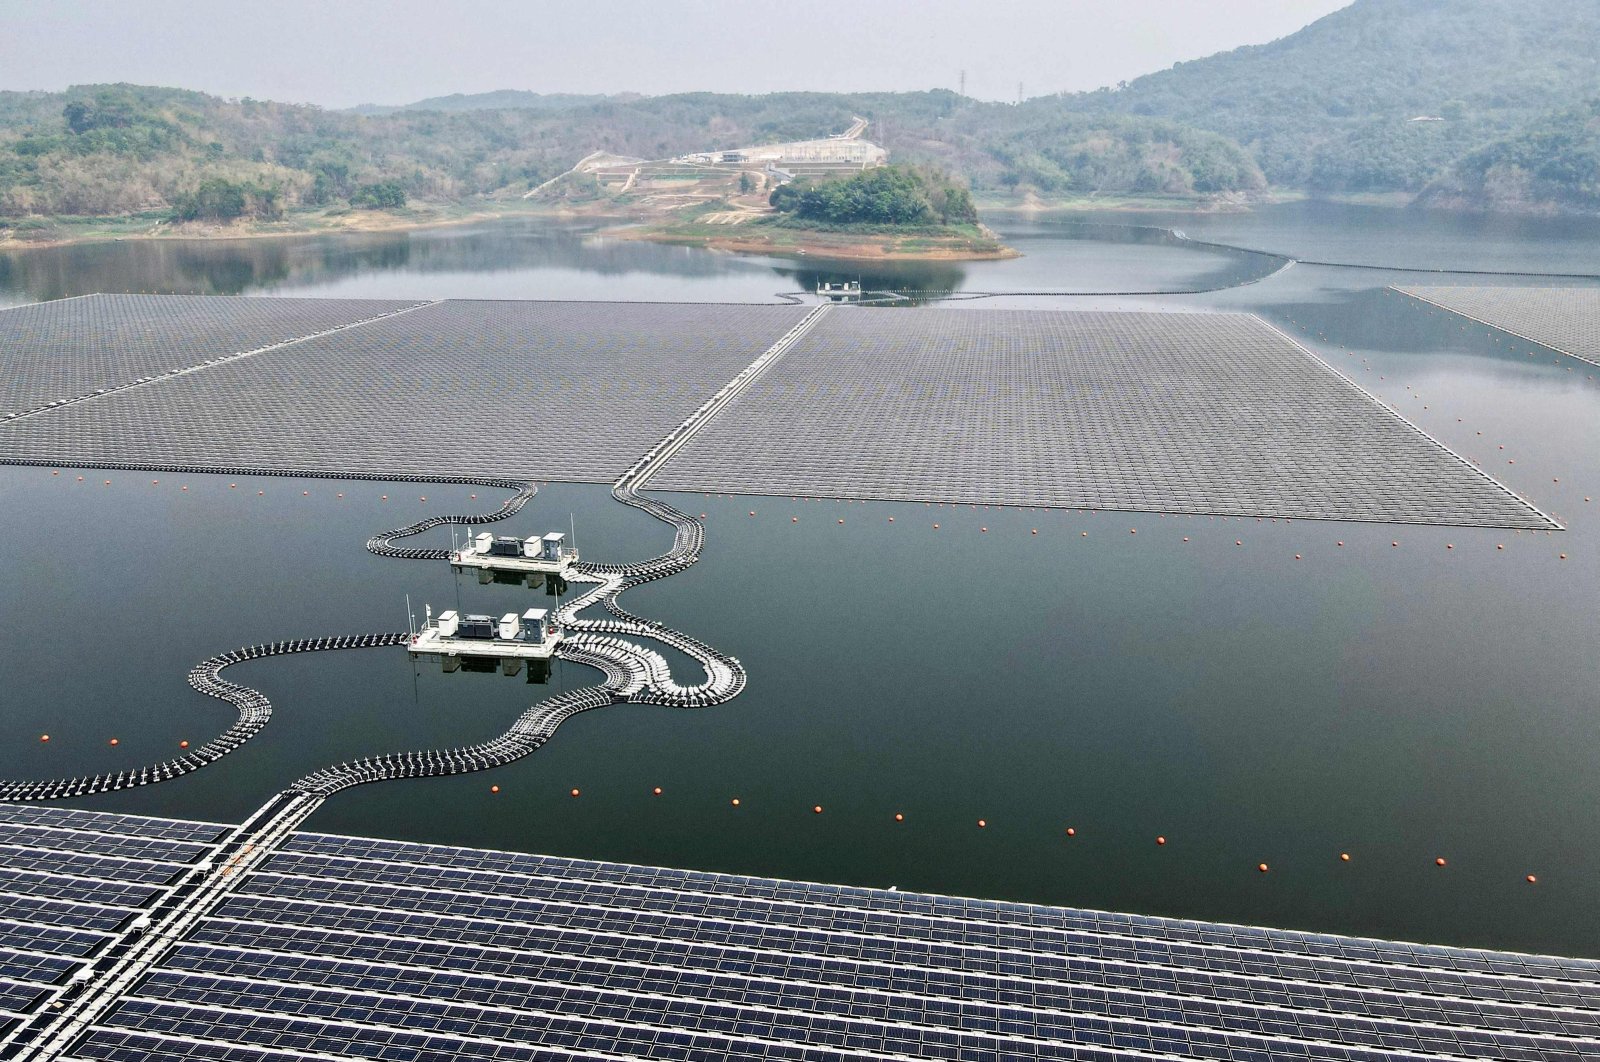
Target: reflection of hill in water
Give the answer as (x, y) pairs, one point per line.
(232, 267)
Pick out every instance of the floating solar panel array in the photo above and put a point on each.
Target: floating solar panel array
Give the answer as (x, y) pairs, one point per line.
(1154, 412)
(548, 390)
(71, 882)
(353, 948)
(69, 348)
(1564, 319)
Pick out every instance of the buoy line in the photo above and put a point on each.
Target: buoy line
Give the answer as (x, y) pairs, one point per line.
(206, 677)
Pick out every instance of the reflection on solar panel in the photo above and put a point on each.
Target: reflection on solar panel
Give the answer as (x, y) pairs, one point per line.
(355, 948)
(1159, 412)
(51, 351)
(573, 391)
(1564, 319)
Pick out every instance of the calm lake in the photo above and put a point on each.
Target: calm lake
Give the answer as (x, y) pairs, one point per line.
(1395, 702)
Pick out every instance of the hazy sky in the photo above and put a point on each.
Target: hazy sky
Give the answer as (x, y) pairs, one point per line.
(338, 53)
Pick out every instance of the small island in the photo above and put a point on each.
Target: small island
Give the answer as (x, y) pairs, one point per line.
(888, 212)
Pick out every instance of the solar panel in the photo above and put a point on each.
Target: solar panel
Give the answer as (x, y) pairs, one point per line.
(397, 396)
(1564, 319)
(1150, 412)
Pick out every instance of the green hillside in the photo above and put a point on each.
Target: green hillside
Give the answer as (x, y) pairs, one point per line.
(1328, 108)
(1334, 108)
(1552, 166)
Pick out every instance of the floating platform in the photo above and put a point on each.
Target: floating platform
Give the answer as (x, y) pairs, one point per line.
(532, 636)
(549, 555)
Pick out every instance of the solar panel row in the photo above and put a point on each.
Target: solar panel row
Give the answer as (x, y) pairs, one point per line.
(504, 923)
(110, 822)
(1161, 412)
(574, 391)
(51, 351)
(397, 859)
(351, 948)
(1193, 413)
(1564, 319)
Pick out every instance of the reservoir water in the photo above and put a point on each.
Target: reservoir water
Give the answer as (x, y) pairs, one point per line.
(1439, 698)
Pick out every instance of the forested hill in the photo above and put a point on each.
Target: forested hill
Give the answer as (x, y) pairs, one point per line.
(1329, 108)
(1551, 165)
(1459, 96)
(125, 149)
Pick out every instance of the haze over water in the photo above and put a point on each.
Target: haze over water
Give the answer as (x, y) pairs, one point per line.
(1399, 703)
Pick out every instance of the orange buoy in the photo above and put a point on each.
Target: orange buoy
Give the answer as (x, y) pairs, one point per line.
(1036, 530)
(57, 473)
(841, 520)
(1394, 543)
(474, 497)
(575, 792)
(936, 527)
(1161, 840)
(752, 512)
(1261, 867)
(1532, 879)
(305, 494)
(985, 530)
(1238, 542)
(1186, 538)
(656, 791)
(184, 487)
(422, 499)
(1501, 546)
(1561, 556)
(1085, 534)
(735, 801)
(1338, 543)
(1439, 861)
(816, 809)
(794, 519)
(259, 493)
(1071, 832)
(494, 789)
(108, 483)
(1133, 530)
(114, 741)
(44, 737)
(80, 479)
(891, 519)
(183, 744)
(153, 482)
(383, 497)
(341, 495)
(1449, 545)
(982, 823)
(1297, 556)
(899, 817)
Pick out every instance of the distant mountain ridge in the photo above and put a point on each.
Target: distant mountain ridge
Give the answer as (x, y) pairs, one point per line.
(501, 99)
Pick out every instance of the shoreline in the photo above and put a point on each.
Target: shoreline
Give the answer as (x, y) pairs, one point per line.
(631, 225)
(819, 246)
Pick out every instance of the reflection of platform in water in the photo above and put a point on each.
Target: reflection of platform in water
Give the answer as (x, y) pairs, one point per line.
(554, 585)
(538, 671)
(532, 636)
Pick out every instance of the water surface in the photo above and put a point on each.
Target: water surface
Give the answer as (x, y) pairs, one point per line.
(1397, 702)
